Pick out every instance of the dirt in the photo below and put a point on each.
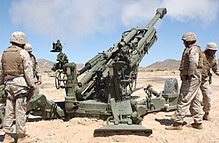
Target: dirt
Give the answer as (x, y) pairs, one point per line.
(80, 130)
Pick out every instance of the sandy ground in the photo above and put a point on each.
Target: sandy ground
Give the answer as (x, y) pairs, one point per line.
(80, 130)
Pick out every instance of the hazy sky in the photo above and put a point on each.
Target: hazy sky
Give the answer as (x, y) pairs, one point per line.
(87, 27)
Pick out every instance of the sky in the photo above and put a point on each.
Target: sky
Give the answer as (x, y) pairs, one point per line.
(88, 27)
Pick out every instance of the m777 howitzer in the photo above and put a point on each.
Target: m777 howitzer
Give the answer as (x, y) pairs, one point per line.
(106, 84)
(109, 78)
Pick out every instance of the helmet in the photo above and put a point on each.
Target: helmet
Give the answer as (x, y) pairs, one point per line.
(211, 46)
(18, 37)
(189, 36)
(28, 47)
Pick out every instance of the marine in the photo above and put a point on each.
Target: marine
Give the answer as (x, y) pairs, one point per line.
(190, 74)
(210, 63)
(37, 77)
(17, 76)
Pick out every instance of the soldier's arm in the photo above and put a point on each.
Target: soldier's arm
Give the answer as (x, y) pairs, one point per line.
(1, 77)
(215, 68)
(1, 74)
(193, 61)
(36, 71)
(28, 69)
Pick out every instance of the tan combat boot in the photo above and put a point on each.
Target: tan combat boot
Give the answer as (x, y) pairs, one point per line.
(196, 126)
(175, 126)
(8, 138)
(206, 116)
(23, 138)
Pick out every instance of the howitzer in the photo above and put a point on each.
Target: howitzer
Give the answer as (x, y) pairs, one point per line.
(108, 80)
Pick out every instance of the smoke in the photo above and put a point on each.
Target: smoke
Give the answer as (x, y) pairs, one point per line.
(85, 17)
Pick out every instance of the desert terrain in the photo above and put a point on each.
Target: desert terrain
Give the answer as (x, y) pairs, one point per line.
(80, 130)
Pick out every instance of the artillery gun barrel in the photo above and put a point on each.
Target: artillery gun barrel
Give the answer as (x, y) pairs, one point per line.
(95, 63)
(90, 74)
(136, 59)
(90, 64)
(128, 37)
(101, 56)
(148, 38)
(160, 14)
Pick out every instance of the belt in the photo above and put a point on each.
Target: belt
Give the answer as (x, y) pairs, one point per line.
(9, 77)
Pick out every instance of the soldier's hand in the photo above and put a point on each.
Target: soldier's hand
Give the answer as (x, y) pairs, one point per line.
(39, 81)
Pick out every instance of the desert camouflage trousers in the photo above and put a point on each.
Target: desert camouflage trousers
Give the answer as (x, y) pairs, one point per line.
(15, 109)
(189, 99)
(206, 93)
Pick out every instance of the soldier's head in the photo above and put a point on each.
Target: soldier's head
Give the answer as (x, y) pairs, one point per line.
(189, 38)
(211, 48)
(18, 38)
(28, 47)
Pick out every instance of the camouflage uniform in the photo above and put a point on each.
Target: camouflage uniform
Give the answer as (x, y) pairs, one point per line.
(36, 75)
(190, 73)
(189, 96)
(17, 75)
(210, 62)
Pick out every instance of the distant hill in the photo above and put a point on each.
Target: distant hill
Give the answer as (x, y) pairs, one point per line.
(45, 65)
(167, 64)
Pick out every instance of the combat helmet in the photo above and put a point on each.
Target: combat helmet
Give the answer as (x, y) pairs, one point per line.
(189, 36)
(18, 37)
(28, 47)
(211, 46)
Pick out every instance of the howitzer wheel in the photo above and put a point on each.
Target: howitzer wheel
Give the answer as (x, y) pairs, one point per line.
(59, 79)
(122, 129)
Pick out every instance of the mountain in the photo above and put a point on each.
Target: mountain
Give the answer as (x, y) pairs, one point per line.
(167, 64)
(45, 65)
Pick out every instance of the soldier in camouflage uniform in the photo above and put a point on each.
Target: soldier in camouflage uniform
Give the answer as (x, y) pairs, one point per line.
(210, 62)
(190, 74)
(17, 75)
(36, 74)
